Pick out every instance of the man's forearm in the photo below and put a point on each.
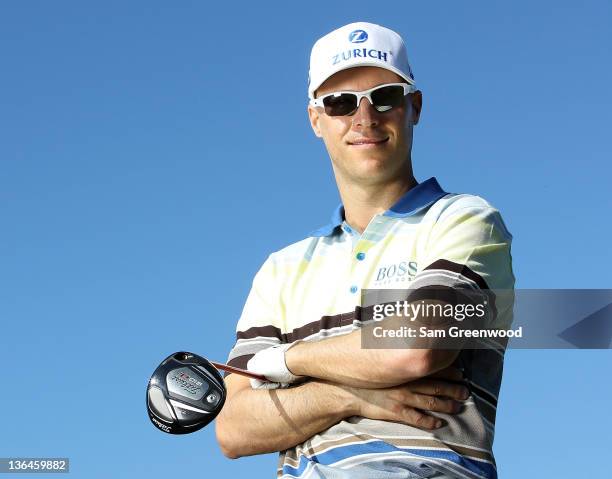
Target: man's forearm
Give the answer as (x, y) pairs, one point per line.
(342, 359)
(261, 421)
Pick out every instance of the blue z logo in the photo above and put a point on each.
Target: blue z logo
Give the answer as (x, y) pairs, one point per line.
(358, 36)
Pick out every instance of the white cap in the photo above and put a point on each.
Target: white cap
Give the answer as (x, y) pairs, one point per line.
(355, 45)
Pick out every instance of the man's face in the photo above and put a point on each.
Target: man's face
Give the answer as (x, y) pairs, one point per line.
(367, 147)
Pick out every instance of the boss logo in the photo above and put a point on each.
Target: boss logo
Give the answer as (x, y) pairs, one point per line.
(402, 271)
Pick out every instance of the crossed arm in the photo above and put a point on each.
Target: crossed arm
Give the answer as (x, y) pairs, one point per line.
(342, 359)
(347, 381)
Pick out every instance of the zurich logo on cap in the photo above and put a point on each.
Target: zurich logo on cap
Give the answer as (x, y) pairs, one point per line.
(358, 36)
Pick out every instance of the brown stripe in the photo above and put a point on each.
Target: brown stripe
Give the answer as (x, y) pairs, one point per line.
(265, 331)
(446, 294)
(326, 322)
(463, 270)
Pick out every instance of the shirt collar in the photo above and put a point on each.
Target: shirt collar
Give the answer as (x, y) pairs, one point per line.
(421, 196)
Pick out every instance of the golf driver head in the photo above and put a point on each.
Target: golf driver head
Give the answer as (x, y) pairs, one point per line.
(184, 394)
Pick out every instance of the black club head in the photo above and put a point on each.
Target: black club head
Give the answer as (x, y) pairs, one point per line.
(184, 394)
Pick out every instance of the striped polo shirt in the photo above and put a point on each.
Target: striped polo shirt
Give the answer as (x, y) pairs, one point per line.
(310, 289)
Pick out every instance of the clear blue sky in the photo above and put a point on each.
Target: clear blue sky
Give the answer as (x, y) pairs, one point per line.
(152, 154)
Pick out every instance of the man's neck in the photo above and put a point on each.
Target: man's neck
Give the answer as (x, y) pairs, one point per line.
(362, 202)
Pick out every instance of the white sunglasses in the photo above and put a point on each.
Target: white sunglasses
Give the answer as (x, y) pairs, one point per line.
(382, 98)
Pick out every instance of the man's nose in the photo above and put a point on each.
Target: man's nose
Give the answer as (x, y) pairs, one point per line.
(365, 115)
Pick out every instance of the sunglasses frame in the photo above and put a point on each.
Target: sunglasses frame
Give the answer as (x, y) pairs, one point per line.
(318, 102)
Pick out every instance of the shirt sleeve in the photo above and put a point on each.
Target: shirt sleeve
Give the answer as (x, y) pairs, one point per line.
(468, 248)
(259, 326)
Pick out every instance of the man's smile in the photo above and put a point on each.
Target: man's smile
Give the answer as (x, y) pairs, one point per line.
(368, 142)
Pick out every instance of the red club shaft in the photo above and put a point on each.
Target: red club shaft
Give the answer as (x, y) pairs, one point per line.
(242, 372)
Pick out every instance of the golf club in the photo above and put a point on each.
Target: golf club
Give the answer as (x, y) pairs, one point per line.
(186, 392)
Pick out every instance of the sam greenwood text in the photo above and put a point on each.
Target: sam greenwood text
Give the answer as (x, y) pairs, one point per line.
(414, 310)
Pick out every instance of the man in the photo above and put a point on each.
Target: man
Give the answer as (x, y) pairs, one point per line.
(333, 408)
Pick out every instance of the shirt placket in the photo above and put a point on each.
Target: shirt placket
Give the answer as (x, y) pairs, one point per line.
(359, 253)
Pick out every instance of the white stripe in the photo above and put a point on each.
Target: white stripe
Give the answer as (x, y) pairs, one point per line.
(447, 274)
(246, 344)
(484, 400)
(352, 462)
(304, 472)
(489, 427)
(484, 389)
(336, 331)
(308, 470)
(338, 446)
(257, 340)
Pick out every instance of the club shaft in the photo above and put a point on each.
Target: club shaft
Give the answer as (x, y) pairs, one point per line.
(242, 372)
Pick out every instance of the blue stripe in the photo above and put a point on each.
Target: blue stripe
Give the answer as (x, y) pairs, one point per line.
(481, 468)
(287, 469)
(422, 195)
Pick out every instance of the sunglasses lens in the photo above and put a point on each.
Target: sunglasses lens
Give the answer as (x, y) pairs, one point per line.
(340, 105)
(388, 97)
(384, 99)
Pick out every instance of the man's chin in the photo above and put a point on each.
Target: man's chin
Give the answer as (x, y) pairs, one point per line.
(373, 174)
(369, 168)
(373, 165)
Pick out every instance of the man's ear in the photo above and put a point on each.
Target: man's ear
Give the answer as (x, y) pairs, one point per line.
(416, 101)
(314, 117)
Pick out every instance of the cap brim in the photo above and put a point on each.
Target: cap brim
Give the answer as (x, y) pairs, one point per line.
(314, 88)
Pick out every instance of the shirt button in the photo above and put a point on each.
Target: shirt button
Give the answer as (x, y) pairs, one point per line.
(353, 289)
(360, 256)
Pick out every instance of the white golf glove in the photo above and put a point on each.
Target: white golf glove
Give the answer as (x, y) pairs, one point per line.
(271, 363)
